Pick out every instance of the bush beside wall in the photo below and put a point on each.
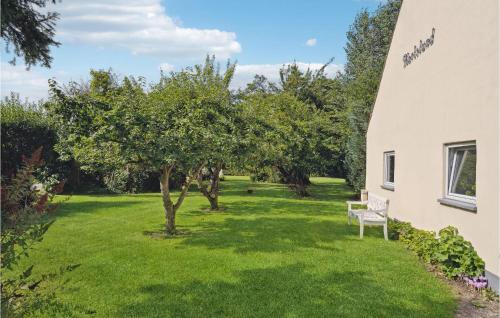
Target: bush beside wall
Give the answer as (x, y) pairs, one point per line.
(448, 251)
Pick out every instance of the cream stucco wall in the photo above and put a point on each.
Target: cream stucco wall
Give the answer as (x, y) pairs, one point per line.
(450, 93)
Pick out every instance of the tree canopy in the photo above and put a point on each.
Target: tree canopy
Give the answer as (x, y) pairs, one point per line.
(182, 124)
(30, 32)
(287, 135)
(368, 42)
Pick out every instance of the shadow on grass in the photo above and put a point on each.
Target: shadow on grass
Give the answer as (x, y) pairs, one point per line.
(278, 226)
(160, 233)
(267, 234)
(318, 191)
(72, 207)
(275, 207)
(260, 189)
(286, 291)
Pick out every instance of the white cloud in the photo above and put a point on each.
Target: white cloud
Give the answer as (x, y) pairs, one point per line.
(140, 26)
(311, 42)
(166, 67)
(29, 84)
(244, 74)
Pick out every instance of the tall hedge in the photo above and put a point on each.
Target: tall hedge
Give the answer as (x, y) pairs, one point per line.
(24, 129)
(368, 42)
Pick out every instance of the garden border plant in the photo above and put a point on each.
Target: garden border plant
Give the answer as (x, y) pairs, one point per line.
(26, 200)
(448, 251)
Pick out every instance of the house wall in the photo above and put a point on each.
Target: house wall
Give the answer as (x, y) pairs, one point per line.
(450, 93)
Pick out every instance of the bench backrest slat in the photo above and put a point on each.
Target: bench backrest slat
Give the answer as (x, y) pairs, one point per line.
(377, 203)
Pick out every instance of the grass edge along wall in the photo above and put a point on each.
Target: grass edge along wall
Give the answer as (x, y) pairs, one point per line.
(432, 112)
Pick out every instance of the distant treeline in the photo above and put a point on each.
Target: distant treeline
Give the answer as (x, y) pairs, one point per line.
(306, 124)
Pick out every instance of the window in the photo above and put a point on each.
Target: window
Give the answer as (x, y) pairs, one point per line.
(461, 172)
(389, 161)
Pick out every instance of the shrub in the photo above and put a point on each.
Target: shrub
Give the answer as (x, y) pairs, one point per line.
(398, 228)
(456, 256)
(423, 243)
(25, 202)
(24, 129)
(450, 252)
(127, 179)
(265, 174)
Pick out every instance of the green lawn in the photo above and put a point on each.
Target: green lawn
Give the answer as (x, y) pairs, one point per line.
(267, 255)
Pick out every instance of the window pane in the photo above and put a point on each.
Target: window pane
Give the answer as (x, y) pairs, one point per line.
(391, 163)
(463, 171)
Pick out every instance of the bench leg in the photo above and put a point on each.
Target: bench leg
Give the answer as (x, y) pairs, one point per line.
(349, 218)
(386, 236)
(361, 228)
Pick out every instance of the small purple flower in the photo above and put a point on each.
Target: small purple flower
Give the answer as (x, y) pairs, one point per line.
(476, 282)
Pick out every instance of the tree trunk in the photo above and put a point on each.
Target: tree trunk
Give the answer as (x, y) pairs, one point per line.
(301, 183)
(211, 192)
(168, 205)
(296, 180)
(300, 190)
(214, 203)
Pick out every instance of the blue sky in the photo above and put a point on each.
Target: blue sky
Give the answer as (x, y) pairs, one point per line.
(138, 37)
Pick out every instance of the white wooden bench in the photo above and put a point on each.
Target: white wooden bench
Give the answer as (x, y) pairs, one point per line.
(374, 214)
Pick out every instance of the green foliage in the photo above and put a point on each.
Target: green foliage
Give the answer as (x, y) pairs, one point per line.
(423, 243)
(319, 92)
(22, 209)
(285, 134)
(126, 179)
(220, 147)
(450, 252)
(293, 130)
(30, 31)
(27, 296)
(24, 129)
(259, 85)
(182, 124)
(326, 94)
(24, 205)
(265, 174)
(368, 42)
(456, 256)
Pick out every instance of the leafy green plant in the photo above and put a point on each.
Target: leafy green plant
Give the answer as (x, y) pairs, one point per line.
(398, 229)
(455, 256)
(24, 129)
(126, 179)
(450, 252)
(25, 202)
(423, 243)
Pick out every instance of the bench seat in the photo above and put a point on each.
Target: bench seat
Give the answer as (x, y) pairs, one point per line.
(375, 213)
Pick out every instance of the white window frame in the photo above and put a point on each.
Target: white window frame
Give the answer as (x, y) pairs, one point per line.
(447, 193)
(386, 182)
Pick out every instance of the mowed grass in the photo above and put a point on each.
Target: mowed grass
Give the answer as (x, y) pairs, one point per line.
(268, 254)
